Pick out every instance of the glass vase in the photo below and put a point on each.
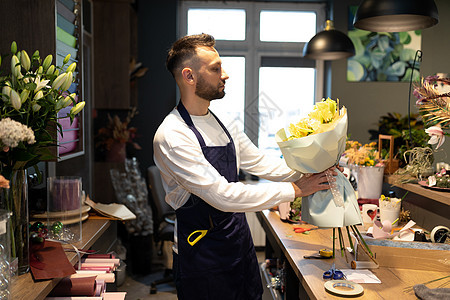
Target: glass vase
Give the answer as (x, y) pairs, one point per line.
(5, 270)
(15, 200)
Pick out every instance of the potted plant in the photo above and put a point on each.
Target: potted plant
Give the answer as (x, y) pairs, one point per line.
(396, 125)
(33, 91)
(365, 161)
(113, 138)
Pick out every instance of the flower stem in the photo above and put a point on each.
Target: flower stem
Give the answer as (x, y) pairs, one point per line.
(361, 238)
(341, 238)
(340, 241)
(350, 240)
(334, 238)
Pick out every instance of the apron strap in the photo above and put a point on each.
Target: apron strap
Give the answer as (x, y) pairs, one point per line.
(187, 118)
(223, 126)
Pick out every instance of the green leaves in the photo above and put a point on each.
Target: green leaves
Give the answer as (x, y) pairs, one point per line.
(397, 125)
(382, 56)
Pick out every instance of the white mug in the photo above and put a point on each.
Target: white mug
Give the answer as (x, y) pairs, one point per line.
(369, 214)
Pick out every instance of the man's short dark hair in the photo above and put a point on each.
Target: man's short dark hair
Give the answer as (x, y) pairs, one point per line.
(185, 48)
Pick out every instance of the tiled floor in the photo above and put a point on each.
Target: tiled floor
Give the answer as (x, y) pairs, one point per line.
(138, 287)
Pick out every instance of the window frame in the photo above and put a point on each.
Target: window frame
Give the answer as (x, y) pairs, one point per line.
(254, 50)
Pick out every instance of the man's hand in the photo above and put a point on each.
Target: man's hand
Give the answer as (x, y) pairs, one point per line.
(310, 183)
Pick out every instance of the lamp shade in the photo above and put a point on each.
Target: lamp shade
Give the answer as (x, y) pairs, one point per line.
(330, 44)
(396, 15)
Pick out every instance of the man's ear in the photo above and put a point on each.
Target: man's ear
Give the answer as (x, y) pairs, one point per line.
(188, 75)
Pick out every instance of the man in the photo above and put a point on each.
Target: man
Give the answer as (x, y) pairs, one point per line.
(199, 159)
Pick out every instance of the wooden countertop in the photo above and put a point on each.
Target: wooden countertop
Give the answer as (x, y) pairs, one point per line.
(310, 271)
(24, 287)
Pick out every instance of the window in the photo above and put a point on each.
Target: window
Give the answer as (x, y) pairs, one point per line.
(284, 26)
(261, 47)
(231, 107)
(212, 21)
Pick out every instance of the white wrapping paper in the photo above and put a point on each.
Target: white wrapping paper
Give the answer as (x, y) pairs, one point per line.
(316, 153)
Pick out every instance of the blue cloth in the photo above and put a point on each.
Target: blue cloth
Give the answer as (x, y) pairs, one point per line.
(319, 208)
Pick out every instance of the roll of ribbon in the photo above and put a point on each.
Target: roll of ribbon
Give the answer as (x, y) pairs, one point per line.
(326, 252)
(75, 287)
(343, 288)
(439, 234)
(100, 287)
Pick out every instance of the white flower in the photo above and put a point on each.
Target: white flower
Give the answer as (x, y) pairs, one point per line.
(72, 67)
(13, 132)
(47, 62)
(40, 84)
(35, 107)
(24, 95)
(77, 108)
(25, 60)
(437, 135)
(38, 95)
(6, 91)
(50, 70)
(15, 66)
(15, 100)
(67, 81)
(59, 81)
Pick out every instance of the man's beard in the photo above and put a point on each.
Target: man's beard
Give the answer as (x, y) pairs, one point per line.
(208, 92)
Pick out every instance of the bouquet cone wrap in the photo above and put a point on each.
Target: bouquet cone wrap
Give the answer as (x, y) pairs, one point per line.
(316, 153)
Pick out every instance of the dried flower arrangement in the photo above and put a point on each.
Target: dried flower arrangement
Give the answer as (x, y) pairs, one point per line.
(358, 154)
(117, 132)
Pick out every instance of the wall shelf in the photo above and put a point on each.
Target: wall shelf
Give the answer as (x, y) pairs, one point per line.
(24, 287)
(443, 197)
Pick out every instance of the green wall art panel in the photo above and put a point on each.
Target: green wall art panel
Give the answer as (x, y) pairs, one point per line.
(383, 56)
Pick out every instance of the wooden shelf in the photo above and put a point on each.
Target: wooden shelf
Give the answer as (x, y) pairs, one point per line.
(24, 287)
(443, 197)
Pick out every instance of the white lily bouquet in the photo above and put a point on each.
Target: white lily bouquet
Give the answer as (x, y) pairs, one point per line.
(315, 144)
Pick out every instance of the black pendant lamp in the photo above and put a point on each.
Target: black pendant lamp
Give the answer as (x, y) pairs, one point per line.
(396, 15)
(329, 44)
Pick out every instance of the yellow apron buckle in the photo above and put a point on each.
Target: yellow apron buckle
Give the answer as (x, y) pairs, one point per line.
(198, 238)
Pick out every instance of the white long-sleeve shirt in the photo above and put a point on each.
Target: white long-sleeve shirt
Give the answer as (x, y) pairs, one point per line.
(185, 170)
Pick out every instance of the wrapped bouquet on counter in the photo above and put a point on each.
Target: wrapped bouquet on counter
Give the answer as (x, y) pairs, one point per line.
(313, 145)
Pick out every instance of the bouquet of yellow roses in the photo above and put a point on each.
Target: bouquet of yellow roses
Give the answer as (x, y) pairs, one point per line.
(315, 144)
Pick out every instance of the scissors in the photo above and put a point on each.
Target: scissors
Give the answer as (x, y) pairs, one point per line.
(199, 234)
(333, 273)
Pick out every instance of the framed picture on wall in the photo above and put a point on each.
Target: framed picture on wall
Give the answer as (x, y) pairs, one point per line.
(382, 56)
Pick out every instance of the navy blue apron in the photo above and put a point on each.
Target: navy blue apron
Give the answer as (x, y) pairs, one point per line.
(222, 264)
